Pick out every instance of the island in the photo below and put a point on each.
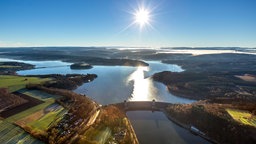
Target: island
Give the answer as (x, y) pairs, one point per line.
(80, 65)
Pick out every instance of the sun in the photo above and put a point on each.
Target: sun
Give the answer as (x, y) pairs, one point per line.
(142, 17)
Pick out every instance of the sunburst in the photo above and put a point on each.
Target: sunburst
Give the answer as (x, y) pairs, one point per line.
(142, 17)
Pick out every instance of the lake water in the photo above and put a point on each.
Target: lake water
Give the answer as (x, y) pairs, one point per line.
(115, 83)
(118, 83)
(156, 128)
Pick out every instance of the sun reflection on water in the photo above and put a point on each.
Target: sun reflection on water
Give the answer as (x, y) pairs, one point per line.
(142, 88)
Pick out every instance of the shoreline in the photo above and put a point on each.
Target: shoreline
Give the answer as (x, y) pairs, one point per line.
(160, 107)
(187, 127)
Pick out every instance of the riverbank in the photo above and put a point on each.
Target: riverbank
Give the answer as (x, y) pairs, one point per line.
(201, 86)
(68, 81)
(154, 127)
(210, 76)
(129, 107)
(214, 120)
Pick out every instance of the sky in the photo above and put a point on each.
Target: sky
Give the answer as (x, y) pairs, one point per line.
(172, 23)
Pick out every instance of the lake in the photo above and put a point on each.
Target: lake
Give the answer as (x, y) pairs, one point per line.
(115, 83)
(118, 83)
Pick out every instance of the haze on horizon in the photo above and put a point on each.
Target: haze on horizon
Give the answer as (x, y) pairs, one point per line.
(172, 23)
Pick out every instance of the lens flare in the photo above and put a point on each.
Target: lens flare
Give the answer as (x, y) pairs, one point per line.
(142, 17)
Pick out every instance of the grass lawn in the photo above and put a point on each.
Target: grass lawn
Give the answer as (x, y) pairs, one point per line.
(14, 83)
(242, 116)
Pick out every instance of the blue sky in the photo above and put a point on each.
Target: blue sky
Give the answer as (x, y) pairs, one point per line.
(104, 23)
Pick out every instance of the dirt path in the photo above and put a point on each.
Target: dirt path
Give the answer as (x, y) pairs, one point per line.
(93, 118)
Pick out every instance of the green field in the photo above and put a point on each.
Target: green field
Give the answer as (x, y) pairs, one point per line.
(14, 83)
(242, 116)
(48, 99)
(98, 135)
(12, 134)
(39, 94)
(40, 117)
(30, 111)
(37, 118)
(43, 123)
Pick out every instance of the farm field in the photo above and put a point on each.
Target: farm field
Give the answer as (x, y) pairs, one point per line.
(35, 120)
(242, 116)
(30, 111)
(33, 97)
(10, 134)
(31, 102)
(41, 120)
(44, 122)
(14, 83)
(39, 94)
(47, 104)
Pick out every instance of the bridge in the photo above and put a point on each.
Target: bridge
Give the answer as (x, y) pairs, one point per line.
(142, 105)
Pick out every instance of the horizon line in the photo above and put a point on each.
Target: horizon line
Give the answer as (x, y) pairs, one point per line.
(150, 47)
